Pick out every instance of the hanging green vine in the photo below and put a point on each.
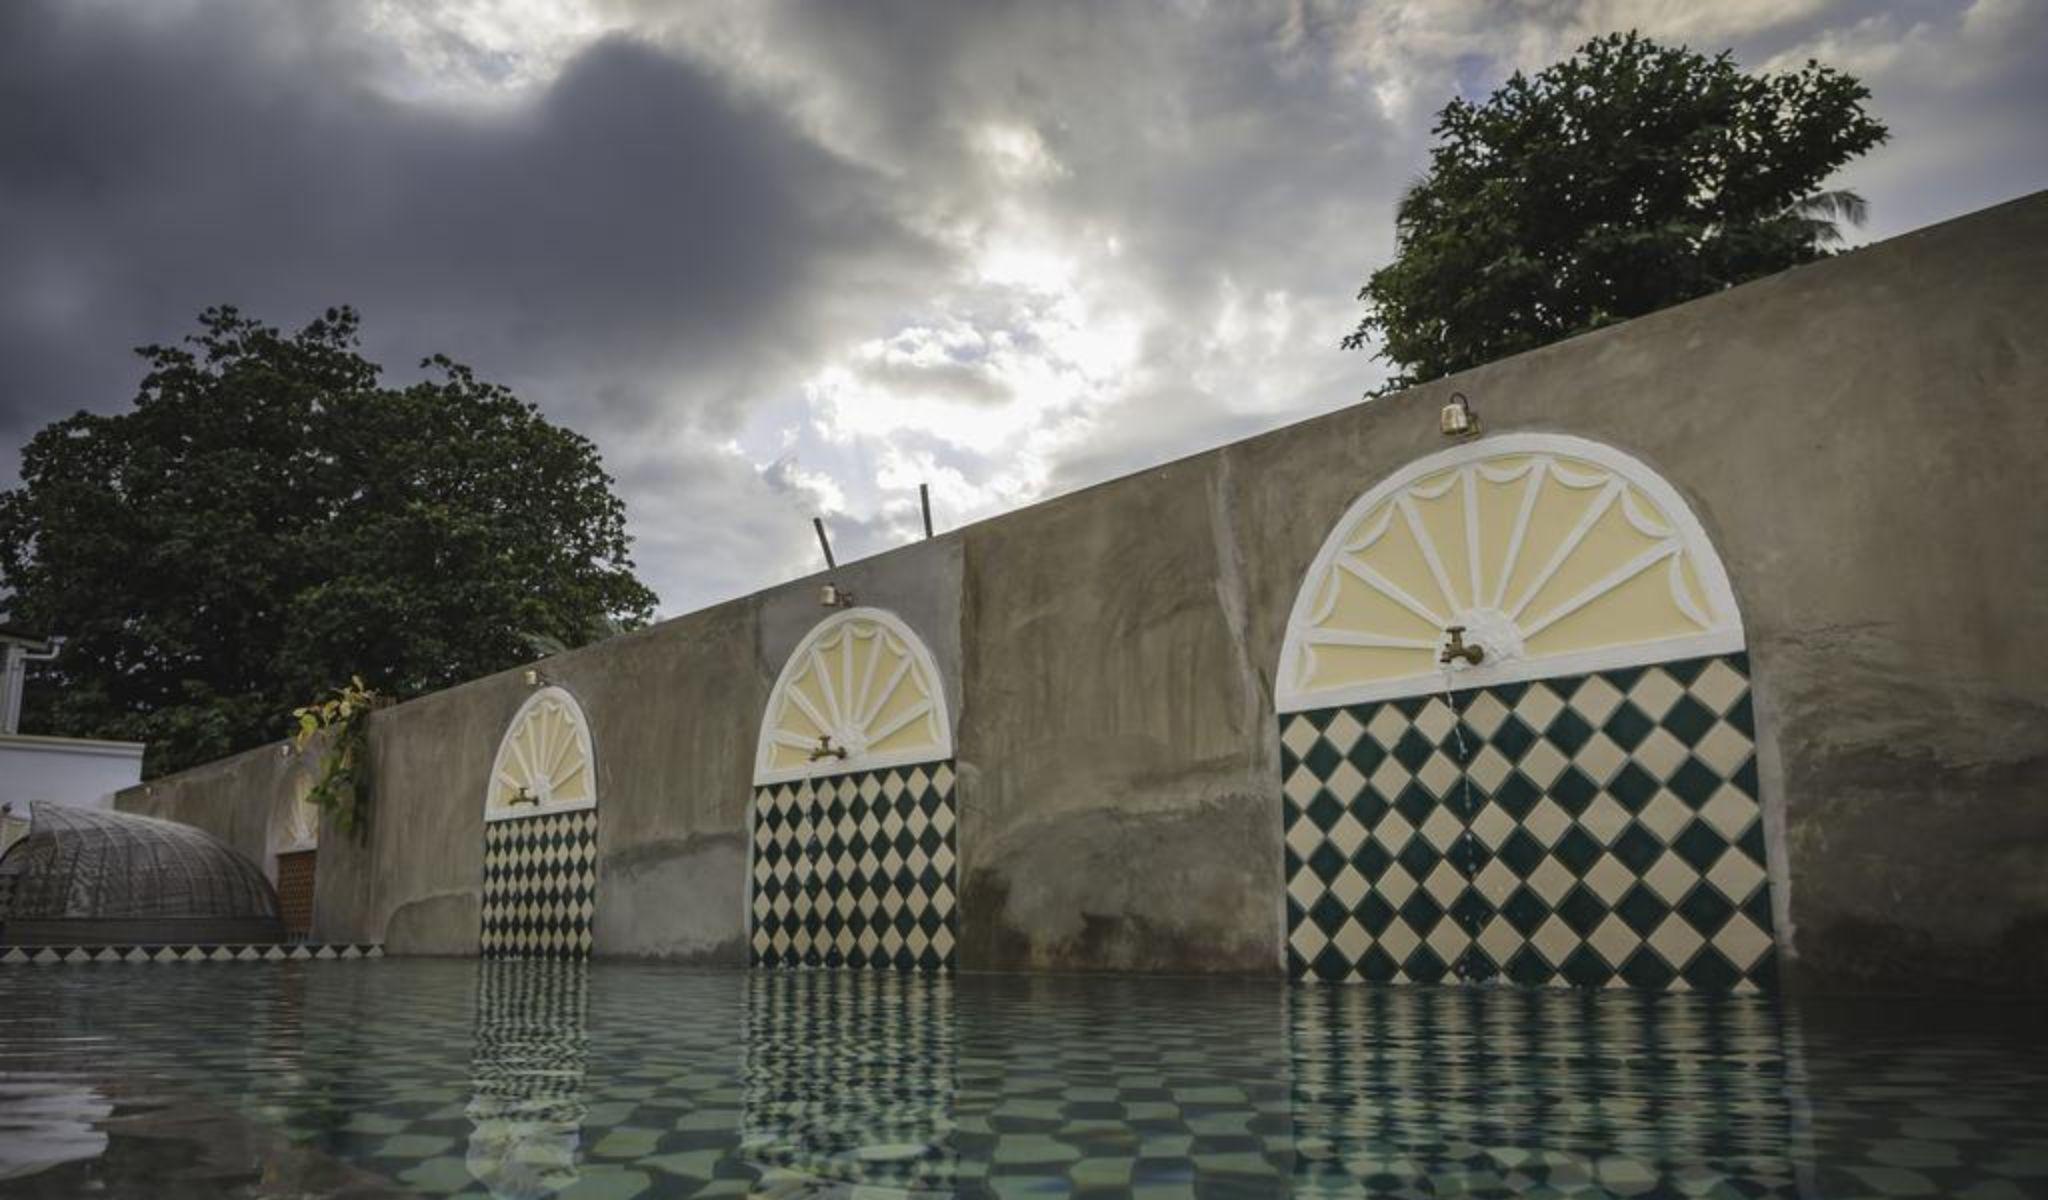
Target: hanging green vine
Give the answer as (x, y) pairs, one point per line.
(341, 727)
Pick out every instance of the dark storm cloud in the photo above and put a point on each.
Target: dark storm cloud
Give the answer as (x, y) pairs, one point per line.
(788, 257)
(636, 220)
(1211, 139)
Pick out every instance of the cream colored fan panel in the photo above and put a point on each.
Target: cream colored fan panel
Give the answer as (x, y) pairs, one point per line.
(301, 817)
(862, 691)
(544, 762)
(1553, 554)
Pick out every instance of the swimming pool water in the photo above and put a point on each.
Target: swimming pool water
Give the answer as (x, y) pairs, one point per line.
(400, 1077)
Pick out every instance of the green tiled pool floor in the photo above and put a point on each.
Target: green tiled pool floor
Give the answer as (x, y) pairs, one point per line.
(532, 1079)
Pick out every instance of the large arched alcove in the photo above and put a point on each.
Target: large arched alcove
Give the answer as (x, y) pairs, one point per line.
(293, 842)
(1577, 806)
(854, 860)
(540, 833)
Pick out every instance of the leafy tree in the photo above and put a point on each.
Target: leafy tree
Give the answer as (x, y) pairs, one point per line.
(268, 521)
(1627, 178)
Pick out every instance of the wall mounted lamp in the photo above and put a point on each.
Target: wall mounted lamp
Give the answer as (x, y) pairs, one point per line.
(534, 678)
(834, 596)
(1457, 420)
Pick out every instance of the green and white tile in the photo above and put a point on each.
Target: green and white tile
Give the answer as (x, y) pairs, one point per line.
(857, 870)
(540, 886)
(1591, 831)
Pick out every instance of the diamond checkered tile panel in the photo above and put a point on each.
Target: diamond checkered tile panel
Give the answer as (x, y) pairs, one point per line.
(1589, 830)
(540, 885)
(857, 870)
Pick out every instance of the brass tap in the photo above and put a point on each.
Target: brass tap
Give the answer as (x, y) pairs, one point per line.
(826, 749)
(522, 796)
(1457, 648)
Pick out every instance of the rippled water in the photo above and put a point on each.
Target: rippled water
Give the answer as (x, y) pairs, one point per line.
(524, 1080)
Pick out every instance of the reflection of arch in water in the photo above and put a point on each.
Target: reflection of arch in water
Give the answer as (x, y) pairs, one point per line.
(1517, 1092)
(526, 1076)
(851, 1079)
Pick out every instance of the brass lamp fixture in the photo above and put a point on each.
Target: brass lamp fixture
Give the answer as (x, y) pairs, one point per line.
(1457, 420)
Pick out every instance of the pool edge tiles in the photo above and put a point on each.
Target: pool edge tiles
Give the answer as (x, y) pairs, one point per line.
(225, 952)
(1589, 830)
(858, 870)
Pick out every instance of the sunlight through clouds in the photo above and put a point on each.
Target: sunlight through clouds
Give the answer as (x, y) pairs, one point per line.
(480, 50)
(786, 258)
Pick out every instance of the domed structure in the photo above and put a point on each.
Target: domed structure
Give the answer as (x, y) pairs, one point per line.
(86, 877)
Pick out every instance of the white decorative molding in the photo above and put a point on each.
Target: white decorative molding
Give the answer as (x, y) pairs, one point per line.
(1462, 555)
(866, 681)
(546, 755)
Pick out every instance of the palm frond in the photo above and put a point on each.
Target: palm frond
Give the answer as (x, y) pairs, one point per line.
(1824, 213)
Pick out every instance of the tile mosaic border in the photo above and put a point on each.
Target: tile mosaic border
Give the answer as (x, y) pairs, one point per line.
(539, 895)
(858, 870)
(1594, 830)
(237, 952)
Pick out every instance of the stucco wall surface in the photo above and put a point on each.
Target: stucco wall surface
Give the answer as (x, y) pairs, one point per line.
(1862, 440)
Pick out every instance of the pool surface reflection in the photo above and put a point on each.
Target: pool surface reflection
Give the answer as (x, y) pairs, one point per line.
(416, 1077)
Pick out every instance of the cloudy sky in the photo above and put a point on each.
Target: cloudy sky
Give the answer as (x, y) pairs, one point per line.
(780, 258)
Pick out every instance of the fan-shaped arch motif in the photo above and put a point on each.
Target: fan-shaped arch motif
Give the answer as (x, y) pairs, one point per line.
(860, 692)
(544, 762)
(1555, 554)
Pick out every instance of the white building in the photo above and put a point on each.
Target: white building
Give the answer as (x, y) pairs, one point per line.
(58, 770)
(77, 771)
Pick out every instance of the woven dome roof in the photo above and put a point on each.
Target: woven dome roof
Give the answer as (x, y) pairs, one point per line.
(81, 863)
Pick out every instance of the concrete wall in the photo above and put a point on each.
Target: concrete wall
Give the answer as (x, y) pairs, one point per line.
(1861, 438)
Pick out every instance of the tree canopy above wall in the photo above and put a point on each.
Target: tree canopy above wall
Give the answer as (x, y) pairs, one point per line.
(269, 520)
(1627, 178)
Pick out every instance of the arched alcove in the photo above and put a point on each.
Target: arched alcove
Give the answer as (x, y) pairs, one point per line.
(295, 819)
(1555, 554)
(544, 762)
(1576, 802)
(294, 843)
(860, 682)
(540, 833)
(854, 860)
